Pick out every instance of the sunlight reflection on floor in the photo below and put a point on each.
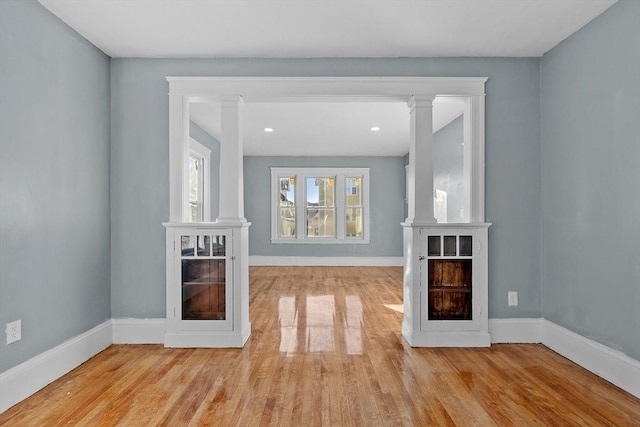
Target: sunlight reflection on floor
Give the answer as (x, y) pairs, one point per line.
(395, 307)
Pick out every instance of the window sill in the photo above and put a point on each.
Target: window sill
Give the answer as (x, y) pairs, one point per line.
(321, 241)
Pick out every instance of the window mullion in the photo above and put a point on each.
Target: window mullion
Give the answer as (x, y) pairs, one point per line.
(301, 204)
(340, 203)
(275, 206)
(364, 202)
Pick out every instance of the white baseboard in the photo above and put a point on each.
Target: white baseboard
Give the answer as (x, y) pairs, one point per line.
(449, 339)
(203, 339)
(612, 365)
(139, 331)
(516, 330)
(259, 260)
(28, 377)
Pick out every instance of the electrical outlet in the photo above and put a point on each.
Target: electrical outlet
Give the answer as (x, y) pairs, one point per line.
(513, 299)
(14, 331)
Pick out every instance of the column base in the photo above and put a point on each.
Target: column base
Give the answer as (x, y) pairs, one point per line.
(231, 221)
(419, 222)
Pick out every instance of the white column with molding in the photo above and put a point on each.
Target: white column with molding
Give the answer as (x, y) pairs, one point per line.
(419, 207)
(420, 171)
(179, 153)
(231, 208)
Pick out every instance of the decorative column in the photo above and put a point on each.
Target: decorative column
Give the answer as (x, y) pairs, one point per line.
(179, 156)
(231, 210)
(420, 171)
(420, 209)
(231, 207)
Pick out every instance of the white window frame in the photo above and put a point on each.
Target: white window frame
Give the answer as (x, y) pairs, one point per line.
(201, 152)
(301, 175)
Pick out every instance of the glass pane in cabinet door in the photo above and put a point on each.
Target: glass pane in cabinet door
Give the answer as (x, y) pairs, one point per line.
(187, 245)
(219, 246)
(204, 245)
(449, 245)
(434, 246)
(203, 289)
(465, 246)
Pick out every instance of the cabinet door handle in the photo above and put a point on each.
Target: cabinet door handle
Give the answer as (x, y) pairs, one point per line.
(421, 257)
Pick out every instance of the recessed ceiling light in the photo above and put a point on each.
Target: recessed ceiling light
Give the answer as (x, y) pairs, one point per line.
(375, 129)
(268, 130)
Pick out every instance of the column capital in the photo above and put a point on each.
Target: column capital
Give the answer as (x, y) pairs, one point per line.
(231, 101)
(421, 101)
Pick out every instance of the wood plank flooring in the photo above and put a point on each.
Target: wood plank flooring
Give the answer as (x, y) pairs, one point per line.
(326, 350)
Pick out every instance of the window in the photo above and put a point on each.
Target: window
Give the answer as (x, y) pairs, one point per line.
(320, 205)
(320, 215)
(197, 200)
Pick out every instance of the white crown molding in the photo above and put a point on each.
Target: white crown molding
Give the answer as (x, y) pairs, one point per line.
(258, 260)
(25, 379)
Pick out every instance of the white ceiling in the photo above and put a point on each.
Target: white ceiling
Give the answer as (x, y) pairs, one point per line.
(326, 28)
(323, 128)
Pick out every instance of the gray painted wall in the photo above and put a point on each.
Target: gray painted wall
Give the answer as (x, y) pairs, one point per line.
(448, 166)
(54, 181)
(206, 139)
(590, 133)
(386, 201)
(139, 149)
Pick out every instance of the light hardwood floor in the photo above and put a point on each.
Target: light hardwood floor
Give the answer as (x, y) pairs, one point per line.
(326, 349)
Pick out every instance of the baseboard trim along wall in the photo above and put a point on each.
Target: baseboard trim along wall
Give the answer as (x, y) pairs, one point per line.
(27, 378)
(23, 380)
(612, 365)
(139, 331)
(390, 261)
(521, 331)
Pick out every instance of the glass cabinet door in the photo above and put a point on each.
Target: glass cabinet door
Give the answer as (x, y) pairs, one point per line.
(449, 280)
(205, 276)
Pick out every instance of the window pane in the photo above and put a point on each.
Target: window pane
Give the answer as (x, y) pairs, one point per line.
(193, 179)
(194, 212)
(287, 207)
(320, 222)
(353, 191)
(353, 203)
(195, 189)
(320, 207)
(354, 222)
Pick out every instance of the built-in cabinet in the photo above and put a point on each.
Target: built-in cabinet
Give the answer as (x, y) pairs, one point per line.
(451, 307)
(206, 287)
